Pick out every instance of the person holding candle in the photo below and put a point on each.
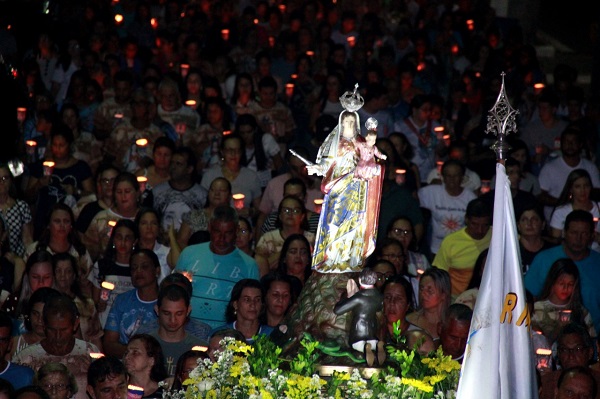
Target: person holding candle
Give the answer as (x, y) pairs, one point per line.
(243, 180)
(67, 177)
(206, 142)
(244, 94)
(144, 361)
(158, 172)
(113, 109)
(126, 193)
(122, 146)
(171, 109)
(560, 301)
(113, 266)
(107, 374)
(148, 224)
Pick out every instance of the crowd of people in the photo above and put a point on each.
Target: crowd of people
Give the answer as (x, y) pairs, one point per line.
(159, 207)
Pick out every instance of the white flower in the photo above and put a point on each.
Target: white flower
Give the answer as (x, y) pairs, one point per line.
(205, 385)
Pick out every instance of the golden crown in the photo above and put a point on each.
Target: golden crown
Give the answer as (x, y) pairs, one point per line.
(352, 101)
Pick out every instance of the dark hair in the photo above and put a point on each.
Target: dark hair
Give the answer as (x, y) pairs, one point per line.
(163, 141)
(408, 150)
(149, 254)
(179, 279)
(531, 206)
(387, 242)
(235, 136)
(72, 236)
(66, 257)
(39, 256)
(574, 175)
(110, 252)
(103, 368)
(174, 293)
(6, 387)
(441, 280)
(227, 183)
(129, 178)
(579, 215)
(5, 320)
(516, 145)
(577, 329)
(459, 312)
(451, 162)
(259, 150)
(236, 293)
(41, 295)
(267, 82)
(60, 306)
(177, 383)
(475, 281)
(579, 370)
(144, 210)
(37, 390)
(275, 276)
(282, 267)
(561, 267)
(295, 181)
(412, 246)
(304, 224)
(478, 208)
(225, 214)
(158, 371)
(236, 92)
(408, 289)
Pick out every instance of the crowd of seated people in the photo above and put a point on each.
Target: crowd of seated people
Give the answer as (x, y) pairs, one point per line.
(158, 207)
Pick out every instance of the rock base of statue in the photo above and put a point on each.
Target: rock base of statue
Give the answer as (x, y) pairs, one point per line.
(313, 312)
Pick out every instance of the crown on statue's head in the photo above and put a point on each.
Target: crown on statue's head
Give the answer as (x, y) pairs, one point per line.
(371, 124)
(352, 101)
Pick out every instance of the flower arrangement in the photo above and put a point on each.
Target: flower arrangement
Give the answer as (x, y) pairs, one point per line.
(241, 371)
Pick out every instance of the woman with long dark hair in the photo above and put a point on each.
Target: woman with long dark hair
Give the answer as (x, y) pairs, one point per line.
(145, 364)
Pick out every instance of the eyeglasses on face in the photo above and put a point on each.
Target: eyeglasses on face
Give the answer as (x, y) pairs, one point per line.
(295, 211)
(401, 232)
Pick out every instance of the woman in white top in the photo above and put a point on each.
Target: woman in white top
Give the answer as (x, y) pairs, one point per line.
(576, 194)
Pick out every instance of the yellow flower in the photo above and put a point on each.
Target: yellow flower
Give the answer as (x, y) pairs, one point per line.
(417, 384)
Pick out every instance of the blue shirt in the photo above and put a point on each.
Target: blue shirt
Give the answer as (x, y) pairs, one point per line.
(19, 376)
(213, 278)
(128, 313)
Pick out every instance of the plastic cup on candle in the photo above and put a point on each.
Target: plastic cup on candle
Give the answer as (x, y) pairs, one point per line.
(142, 181)
(439, 132)
(289, 90)
(21, 114)
(183, 70)
(310, 53)
(351, 41)
(31, 145)
(226, 132)
(538, 87)
(118, 19)
(107, 287)
(543, 358)
(154, 23)
(191, 104)
(141, 146)
(111, 225)
(400, 176)
(282, 8)
(118, 118)
(225, 34)
(188, 275)
(564, 316)
(238, 201)
(134, 392)
(318, 205)
(485, 186)
(271, 41)
(48, 168)
(446, 139)
(439, 165)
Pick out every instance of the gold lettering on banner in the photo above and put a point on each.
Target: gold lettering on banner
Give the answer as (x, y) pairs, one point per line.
(510, 302)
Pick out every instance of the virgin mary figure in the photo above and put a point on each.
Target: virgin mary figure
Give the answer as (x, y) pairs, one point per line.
(348, 221)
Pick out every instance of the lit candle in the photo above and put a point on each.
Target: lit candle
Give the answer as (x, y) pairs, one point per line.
(188, 275)
(256, 21)
(141, 142)
(134, 392)
(226, 132)
(318, 205)
(118, 19)
(48, 168)
(400, 176)
(154, 23)
(282, 8)
(96, 355)
(446, 139)
(455, 49)
(107, 287)
(225, 34)
(118, 116)
(271, 41)
(470, 24)
(111, 224)
(351, 41)
(564, 315)
(199, 348)
(294, 76)
(289, 90)
(543, 358)
(142, 181)
(238, 201)
(183, 70)
(310, 53)
(21, 114)
(439, 165)
(485, 186)
(191, 104)
(31, 144)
